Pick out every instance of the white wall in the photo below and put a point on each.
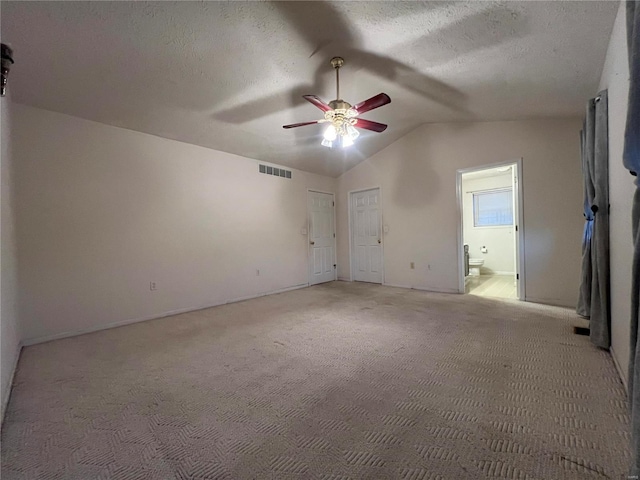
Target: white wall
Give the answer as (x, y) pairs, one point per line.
(9, 328)
(103, 211)
(615, 78)
(418, 179)
(499, 241)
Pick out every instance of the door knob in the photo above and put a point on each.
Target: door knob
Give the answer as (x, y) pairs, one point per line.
(379, 241)
(312, 242)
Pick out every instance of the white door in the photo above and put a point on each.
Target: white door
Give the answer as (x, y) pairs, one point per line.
(366, 218)
(321, 238)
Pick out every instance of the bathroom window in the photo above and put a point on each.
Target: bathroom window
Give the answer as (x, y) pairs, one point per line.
(493, 208)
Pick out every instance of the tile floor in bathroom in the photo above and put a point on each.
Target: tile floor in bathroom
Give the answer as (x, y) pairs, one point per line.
(501, 286)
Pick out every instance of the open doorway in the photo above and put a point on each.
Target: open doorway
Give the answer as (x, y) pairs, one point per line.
(491, 231)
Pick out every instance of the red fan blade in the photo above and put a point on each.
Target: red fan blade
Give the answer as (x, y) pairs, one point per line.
(317, 102)
(369, 125)
(294, 125)
(374, 102)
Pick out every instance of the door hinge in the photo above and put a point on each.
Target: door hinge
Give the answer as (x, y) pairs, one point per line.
(334, 235)
(334, 265)
(517, 276)
(516, 228)
(333, 204)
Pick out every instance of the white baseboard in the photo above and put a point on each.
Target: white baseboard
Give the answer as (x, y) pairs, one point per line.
(623, 375)
(122, 323)
(546, 301)
(344, 279)
(423, 289)
(496, 273)
(273, 292)
(9, 387)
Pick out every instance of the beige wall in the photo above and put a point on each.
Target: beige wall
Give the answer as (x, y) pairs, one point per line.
(9, 328)
(104, 211)
(499, 241)
(615, 78)
(418, 179)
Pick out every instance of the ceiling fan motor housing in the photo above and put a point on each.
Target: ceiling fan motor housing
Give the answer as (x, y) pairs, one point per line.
(339, 105)
(341, 113)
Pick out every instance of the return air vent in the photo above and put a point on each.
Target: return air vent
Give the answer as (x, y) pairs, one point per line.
(275, 171)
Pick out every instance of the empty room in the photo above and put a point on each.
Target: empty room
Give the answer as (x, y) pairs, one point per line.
(320, 240)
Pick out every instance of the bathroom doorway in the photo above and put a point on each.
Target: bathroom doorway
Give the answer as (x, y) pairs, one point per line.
(490, 233)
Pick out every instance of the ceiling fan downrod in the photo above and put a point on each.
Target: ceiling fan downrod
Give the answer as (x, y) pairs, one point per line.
(337, 62)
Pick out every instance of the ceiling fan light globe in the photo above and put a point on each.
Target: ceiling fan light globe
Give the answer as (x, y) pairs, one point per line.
(330, 133)
(352, 132)
(347, 141)
(326, 143)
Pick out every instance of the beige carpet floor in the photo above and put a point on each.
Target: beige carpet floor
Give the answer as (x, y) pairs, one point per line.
(337, 381)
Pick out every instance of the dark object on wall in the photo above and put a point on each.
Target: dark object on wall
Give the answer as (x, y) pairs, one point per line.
(632, 163)
(7, 61)
(594, 298)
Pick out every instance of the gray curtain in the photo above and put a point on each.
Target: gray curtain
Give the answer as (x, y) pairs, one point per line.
(632, 163)
(634, 355)
(584, 298)
(593, 300)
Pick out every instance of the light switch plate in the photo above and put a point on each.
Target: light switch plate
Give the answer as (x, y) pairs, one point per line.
(386, 228)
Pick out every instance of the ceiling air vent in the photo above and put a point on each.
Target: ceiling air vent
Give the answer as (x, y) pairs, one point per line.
(275, 171)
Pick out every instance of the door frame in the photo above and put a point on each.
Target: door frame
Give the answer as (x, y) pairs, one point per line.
(308, 235)
(350, 193)
(520, 268)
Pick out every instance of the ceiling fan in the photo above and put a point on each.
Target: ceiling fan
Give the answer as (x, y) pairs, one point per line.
(342, 116)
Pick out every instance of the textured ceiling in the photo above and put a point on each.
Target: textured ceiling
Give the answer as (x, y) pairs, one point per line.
(229, 75)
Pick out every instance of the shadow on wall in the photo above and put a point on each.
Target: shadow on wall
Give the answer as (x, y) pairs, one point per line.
(416, 183)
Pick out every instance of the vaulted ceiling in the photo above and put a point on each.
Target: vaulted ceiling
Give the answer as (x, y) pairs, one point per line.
(228, 75)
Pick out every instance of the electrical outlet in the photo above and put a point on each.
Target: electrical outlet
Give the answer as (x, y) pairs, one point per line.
(153, 286)
(412, 266)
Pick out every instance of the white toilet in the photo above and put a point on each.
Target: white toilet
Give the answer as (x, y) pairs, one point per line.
(474, 266)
